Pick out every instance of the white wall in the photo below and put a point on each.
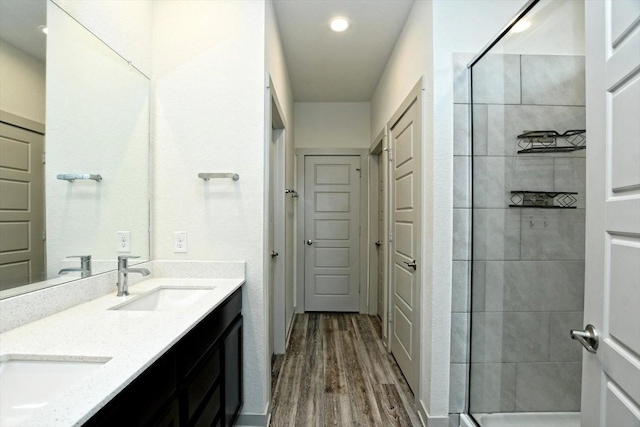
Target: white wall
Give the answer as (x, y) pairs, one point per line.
(410, 60)
(124, 25)
(277, 68)
(22, 83)
(208, 114)
(332, 124)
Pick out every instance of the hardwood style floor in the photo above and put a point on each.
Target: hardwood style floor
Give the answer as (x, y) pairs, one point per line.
(337, 373)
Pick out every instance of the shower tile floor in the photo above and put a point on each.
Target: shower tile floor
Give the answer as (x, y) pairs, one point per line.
(336, 372)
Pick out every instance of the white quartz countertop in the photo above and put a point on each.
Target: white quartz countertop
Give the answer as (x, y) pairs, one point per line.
(130, 340)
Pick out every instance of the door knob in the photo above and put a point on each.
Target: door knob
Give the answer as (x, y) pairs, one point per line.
(411, 264)
(589, 338)
(311, 242)
(274, 254)
(378, 243)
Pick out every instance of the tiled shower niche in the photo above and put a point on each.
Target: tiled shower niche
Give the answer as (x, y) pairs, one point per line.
(528, 263)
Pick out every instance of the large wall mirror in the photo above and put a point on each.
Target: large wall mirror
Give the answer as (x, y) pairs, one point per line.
(74, 151)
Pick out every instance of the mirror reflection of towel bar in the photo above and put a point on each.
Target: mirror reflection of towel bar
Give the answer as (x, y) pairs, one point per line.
(208, 176)
(73, 176)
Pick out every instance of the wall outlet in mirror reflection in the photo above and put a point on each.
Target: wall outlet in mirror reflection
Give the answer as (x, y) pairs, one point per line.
(124, 241)
(179, 241)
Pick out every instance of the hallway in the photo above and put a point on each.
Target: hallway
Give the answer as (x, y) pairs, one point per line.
(337, 373)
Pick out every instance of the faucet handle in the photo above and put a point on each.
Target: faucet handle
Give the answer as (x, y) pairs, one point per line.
(123, 260)
(82, 257)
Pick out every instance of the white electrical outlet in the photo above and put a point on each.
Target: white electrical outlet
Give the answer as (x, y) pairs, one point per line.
(124, 241)
(179, 241)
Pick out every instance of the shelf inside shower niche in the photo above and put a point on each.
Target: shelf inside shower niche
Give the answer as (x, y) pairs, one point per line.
(543, 199)
(551, 141)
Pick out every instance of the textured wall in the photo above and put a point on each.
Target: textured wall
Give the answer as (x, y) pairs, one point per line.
(410, 59)
(22, 83)
(332, 124)
(208, 114)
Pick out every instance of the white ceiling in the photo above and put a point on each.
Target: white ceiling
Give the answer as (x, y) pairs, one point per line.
(325, 66)
(19, 21)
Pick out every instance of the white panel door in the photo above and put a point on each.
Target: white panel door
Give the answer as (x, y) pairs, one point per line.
(611, 376)
(22, 254)
(332, 233)
(404, 139)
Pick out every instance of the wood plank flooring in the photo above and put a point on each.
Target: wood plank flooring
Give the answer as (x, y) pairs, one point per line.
(337, 373)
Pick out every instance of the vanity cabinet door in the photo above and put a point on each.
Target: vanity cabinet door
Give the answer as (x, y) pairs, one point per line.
(210, 410)
(233, 372)
(142, 401)
(172, 417)
(198, 342)
(199, 390)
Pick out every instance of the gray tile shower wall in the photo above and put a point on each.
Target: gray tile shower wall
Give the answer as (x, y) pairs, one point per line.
(528, 269)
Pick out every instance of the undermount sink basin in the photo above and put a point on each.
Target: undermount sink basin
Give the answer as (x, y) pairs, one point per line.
(27, 385)
(166, 299)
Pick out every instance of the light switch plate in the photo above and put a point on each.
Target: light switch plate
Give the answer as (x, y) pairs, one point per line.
(124, 241)
(179, 241)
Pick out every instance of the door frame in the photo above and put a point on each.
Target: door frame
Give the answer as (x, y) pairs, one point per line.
(275, 129)
(378, 150)
(301, 153)
(414, 97)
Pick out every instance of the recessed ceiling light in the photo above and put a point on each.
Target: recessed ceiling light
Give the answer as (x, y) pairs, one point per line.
(44, 29)
(339, 24)
(521, 26)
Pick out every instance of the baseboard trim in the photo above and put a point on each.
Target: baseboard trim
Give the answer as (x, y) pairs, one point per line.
(253, 420)
(422, 414)
(286, 344)
(431, 421)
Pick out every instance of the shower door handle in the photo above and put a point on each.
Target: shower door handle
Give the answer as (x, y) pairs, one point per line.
(589, 338)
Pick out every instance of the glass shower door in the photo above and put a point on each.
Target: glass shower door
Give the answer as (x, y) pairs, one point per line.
(528, 186)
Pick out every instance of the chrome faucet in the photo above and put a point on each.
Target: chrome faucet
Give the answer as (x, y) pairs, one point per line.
(123, 274)
(85, 266)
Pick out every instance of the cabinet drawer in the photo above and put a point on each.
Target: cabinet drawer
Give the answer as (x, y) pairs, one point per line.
(210, 410)
(201, 383)
(197, 342)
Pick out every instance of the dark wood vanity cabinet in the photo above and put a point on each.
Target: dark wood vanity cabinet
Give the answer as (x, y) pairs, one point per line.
(198, 382)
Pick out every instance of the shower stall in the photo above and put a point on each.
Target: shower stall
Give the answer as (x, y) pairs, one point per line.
(527, 160)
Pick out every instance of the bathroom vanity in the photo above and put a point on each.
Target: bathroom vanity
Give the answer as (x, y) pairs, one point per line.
(197, 382)
(170, 354)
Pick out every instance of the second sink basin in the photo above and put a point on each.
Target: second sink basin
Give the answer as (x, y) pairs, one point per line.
(166, 299)
(27, 385)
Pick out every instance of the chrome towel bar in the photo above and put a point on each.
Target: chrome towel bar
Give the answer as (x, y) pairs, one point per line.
(208, 176)
(73, 176)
